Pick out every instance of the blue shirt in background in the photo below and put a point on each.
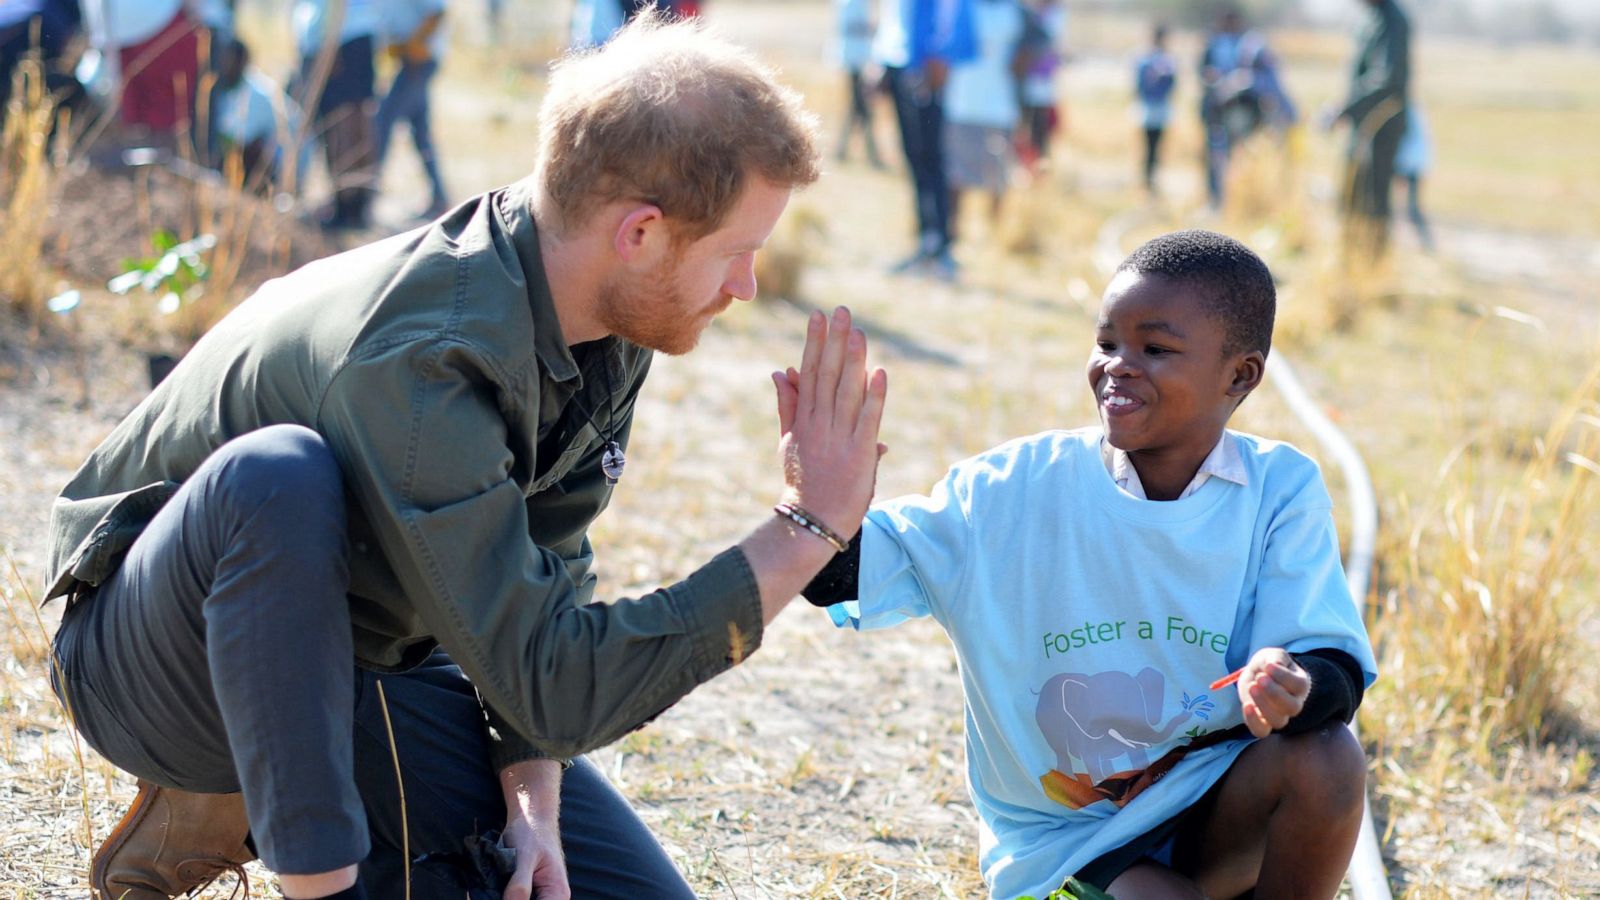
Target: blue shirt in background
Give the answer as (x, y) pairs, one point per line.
(1154, 77)
(983, 90)
(360, 20)
(910, 32)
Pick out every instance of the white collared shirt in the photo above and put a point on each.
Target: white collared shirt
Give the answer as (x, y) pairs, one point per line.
(1223, 462)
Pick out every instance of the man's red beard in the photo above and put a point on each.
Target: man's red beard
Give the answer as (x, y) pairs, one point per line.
(652, 311)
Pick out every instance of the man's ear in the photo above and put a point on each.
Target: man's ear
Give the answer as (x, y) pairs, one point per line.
(642, 236)
(1248, 368)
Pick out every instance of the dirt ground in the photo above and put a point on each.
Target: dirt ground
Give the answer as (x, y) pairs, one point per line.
(830, 764)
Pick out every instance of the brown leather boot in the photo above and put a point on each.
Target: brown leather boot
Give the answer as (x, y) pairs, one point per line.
(171, 842)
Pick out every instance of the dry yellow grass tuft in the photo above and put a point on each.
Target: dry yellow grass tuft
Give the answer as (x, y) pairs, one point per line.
(1478, 620)
(27, 164)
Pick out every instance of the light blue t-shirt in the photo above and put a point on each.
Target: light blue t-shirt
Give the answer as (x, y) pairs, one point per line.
(1089, 624)
(855, 33)
(983, 91)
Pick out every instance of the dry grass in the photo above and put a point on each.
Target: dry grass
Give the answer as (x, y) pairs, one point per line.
(830, 765)
(27, 164)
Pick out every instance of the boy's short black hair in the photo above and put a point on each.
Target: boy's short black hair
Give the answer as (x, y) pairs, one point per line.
(1233, 282)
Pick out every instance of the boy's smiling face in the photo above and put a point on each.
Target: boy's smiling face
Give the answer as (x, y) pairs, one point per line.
(1162, 383)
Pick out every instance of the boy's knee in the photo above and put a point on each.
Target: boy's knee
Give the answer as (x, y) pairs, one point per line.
(1327, 765)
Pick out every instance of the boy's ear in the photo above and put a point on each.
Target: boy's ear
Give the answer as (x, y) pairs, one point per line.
(1248, 369)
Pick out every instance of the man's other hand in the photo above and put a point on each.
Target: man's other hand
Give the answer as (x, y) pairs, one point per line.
(532, 791)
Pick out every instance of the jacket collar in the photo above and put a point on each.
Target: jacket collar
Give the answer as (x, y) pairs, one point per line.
(513, 210)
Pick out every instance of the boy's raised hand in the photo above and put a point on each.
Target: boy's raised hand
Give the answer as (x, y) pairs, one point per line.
(1272, 690)
(828, 416)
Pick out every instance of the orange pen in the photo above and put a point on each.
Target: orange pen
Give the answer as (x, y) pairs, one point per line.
(1226, 680)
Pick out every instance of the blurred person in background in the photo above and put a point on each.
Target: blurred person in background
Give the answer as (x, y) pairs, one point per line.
(43, 25)
(413, 36)
(1154, 76)
(144, 58)
(44, 28)
(1411, 163)
(982, 108)
(1375, 108)
(1046, 26)
(253, 117)
(916, 43)
(855, 53)
(1242, 93)
(336, 82)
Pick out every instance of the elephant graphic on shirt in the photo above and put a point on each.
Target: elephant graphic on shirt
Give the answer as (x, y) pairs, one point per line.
(1104, 719)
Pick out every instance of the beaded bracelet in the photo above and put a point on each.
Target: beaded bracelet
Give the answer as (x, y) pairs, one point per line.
(809, 522)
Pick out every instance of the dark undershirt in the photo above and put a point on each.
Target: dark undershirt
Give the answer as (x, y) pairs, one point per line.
(1337, 684)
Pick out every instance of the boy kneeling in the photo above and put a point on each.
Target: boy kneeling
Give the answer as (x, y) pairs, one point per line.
(1096, 582)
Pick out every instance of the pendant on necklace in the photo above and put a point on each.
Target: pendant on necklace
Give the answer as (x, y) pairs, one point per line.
(612, 462)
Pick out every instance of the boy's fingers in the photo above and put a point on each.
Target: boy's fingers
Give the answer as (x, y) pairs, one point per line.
(1255, 721)
(1290, 676)
(1269, 694)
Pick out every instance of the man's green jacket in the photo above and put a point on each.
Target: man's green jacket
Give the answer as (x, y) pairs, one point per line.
(469, 437)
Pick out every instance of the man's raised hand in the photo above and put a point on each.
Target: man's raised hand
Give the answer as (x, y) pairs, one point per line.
(829, 412)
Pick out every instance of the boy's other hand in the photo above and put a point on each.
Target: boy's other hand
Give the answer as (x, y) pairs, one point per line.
(1272, 690)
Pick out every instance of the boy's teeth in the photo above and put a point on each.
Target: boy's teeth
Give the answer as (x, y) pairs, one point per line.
(1118, 401)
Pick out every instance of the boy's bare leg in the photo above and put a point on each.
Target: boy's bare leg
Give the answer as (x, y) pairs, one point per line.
(1150, 880)
(1284, 821)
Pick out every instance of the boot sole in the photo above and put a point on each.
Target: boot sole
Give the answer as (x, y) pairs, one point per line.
(115, 840)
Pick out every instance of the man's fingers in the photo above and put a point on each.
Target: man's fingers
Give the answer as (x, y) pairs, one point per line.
(788, 398)
(871, 415)
(521, 884)
(550, 883)
(852, 379)
(816, 333)
(832, 359)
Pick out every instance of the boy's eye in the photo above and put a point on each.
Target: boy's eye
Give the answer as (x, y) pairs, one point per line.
(1154, 350)
(1107, 346)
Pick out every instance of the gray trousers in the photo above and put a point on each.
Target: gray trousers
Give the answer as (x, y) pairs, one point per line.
(218, 658)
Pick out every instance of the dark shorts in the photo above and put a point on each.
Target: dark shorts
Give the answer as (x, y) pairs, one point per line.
(1156, 844)
(350, 80)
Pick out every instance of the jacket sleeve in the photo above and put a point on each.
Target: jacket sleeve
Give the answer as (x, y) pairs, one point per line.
(426, 455)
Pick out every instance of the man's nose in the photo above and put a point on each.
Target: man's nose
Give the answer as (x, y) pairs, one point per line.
(741, 283)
